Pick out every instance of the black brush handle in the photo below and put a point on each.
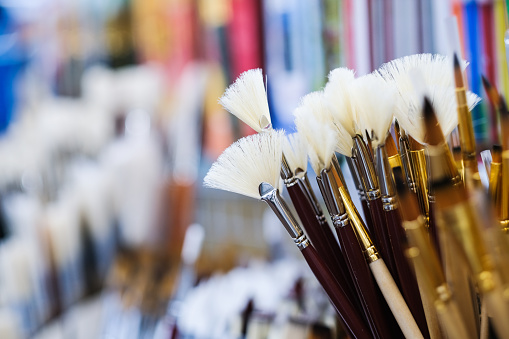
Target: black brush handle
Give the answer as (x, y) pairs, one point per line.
(324, 242)
(383, 242)
(364, 283)
(351, 318)
(408, 282)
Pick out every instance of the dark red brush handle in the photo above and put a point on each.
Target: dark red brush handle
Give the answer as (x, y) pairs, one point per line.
(324, 242)
(351, 318)
(364, 283)
(383, 242)
(407, 279)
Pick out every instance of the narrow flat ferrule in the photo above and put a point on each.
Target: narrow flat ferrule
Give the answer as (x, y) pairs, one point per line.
(271, 196)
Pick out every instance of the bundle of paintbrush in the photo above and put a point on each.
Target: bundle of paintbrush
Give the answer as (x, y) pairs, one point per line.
(420, 260)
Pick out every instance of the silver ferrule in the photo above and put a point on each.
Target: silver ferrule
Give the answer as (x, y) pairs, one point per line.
(384, 171)
(355, 177)
(390, 203)
(312, 196)
(270, 195)
(302, 242)
(367, 173)
(340, 220)
(286, 172)
(404, 151)
(330, 192)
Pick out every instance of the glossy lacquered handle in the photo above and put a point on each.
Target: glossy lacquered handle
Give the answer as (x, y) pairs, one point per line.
(349, 315)
(383, 242)
(407, 279)
(364, 283)
(323, 240)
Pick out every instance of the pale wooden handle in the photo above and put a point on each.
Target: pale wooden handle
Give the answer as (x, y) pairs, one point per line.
(395, 300)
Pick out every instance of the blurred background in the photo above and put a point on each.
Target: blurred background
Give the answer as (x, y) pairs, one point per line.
(109, 121)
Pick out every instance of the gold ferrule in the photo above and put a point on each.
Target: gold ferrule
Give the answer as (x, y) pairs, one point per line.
(466, 128)
(395, 161)
(504, 192)
(418, 161)
(494, 183)
(368, 248)
(419, 238)
(404, 151)
(461, 220)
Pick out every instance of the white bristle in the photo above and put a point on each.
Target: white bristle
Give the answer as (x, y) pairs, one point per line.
(373, 100)
(295, 150)
(436, 71)
(314, 106)
(247, 163)
(311, 122)
(246, 98)
(337, 94)
(443, 99)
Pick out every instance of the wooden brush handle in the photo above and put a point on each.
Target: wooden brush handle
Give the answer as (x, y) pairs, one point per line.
(407, 279)
(433, 230)
(323, 240)
(395, 300)
(451, 321)
(364, 283)
(348, 313)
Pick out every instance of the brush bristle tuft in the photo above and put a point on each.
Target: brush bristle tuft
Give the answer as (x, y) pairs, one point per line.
(337, 94)
(295, 150)
(246, 98)
(311, 122)
(373, 101)
(438, 79)
(247, 163)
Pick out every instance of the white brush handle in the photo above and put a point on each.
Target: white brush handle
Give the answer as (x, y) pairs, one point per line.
(395, 300)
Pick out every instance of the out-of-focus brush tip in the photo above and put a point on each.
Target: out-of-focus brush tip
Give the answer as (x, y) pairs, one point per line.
(399, 180)
(496, 153)
(434, 134)
(458, 75)
(492, 92)
(456, 61)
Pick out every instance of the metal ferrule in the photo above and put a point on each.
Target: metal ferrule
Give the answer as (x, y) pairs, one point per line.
(309, 190)
(369, 250)
(404, 150)
(384, 171)
(302, 242)
(355, 176)
(271, 196)
(286, 172)
(366, 170)
(330, 193)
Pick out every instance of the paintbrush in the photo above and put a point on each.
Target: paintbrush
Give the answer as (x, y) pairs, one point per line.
(322, 141)
(251, 167)
(375, 115)
(337, 94)
(461, 222)
(466, 128)
(436, 80)
(382, 275)
(312, 105)
(246, 98)
(370, 94)
(427, 265)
